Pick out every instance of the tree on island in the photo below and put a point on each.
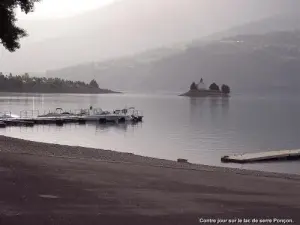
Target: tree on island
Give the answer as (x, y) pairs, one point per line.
(10, 34)
(94, 84)
(193, 86)
(225, 89)
(214, 87)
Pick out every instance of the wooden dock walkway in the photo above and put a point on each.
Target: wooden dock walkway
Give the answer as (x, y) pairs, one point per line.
(51, 120)
(262, 156)
(30, 122)
(59, 121)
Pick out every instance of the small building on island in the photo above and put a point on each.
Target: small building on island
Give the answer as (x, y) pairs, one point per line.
(201, 85)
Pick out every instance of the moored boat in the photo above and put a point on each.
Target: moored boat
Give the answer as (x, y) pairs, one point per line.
(116, 116)
(57, 113)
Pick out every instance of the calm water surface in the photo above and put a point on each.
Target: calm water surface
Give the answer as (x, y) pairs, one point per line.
(201, 130)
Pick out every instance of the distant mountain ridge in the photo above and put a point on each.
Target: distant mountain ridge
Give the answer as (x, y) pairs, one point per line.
(247, 63)
(280, 22)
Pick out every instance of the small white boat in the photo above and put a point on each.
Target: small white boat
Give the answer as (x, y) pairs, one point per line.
(99, 115)
(130, 114)
(57, 113)
(117, 116)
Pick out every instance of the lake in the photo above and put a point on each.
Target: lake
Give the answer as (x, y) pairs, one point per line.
(200, 130)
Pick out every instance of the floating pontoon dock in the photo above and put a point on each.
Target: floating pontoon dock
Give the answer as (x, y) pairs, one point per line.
(30, 118)
(262, 156)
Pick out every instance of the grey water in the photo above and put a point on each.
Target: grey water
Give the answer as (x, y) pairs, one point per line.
(201, 130)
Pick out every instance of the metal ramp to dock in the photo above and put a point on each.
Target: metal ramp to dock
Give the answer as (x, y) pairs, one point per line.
(262, 156)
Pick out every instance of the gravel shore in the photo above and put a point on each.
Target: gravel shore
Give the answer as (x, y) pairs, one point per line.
(54, 184)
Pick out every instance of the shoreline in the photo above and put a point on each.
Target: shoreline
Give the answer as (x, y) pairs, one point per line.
(45, 183)
(27, 147)
(35, 92)
(204, 93)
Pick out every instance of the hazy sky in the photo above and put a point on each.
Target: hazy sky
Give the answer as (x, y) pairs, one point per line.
(62, 8)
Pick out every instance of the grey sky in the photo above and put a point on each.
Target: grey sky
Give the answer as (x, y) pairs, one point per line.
(129, 27)
(62, 8)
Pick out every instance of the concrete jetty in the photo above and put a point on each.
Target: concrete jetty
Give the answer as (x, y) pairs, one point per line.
(262, 156)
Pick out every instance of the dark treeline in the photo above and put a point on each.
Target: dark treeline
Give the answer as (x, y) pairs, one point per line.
(25, 83)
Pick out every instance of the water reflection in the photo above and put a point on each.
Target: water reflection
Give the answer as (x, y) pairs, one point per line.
(123, 127)
(196, 106)
(21, 99)
(214, 107)
(195, 102)
(225, 105)
(10, 100)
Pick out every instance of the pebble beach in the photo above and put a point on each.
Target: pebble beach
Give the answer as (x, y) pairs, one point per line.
(55, 184)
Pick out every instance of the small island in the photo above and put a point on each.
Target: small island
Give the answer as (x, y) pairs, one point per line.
(26, 84)
(200, 90)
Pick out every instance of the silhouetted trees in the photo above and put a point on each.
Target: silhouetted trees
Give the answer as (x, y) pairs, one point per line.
(25, 83)
(225, 89)
(193, 86)
(214, 87)
(94, 84)
(9, 32)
